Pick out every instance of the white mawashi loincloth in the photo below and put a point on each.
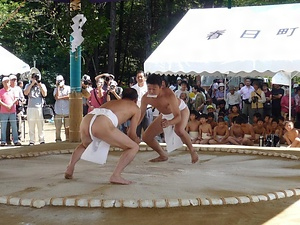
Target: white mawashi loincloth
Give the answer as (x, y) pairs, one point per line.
(97, 150)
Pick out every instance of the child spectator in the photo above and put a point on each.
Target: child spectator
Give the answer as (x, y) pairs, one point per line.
(234, 113)
(236, 132)
(291, 135)
(221, 133)
(211, 120)
(249, 136)
(259, 130)
(205, 130)
(267, 121)
(193, 126)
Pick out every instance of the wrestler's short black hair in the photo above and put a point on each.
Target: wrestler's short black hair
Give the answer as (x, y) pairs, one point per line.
(154, 79)
(203, 116)
(130, 93)
(239, 120)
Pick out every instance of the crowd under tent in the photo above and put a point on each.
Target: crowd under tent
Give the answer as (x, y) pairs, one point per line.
(241, 41)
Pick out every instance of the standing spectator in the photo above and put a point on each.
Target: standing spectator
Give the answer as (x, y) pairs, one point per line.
(246, 94)
(86, 88)
(183, 89)
(141, 88)
(98, 95)
(21, 111)
(285, 104)
(8, 102)
(257, 101)
(36, 92)
(199, 100)
(277, 93)
(18, 92)
(178, 85)
(268, 103)
(233, 98)
(61, 107)
(114, 92)
(220, 93)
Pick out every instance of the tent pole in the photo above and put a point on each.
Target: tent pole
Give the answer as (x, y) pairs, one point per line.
(290, 98)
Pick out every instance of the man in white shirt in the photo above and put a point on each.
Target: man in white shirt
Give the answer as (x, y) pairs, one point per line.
(61, 107)
(246, 95)
(233, 98)
(141, 88)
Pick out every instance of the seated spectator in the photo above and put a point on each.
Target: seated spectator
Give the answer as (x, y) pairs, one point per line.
(248, 131)
(193, 126)
(220, 133)
(274, 128)
(221, 107)
(205, 130)
(256, 116)
(236, 132)
(291, 136)
(211, 120)
(209, 101)
(234, 113)
(267, 121)
(259, 130)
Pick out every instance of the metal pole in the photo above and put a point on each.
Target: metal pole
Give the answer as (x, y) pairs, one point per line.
(229, 4)
(75, 83)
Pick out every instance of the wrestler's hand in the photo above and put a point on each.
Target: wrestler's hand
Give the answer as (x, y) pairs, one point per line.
(164, 123)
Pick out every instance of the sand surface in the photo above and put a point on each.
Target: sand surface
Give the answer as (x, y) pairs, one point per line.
(216, 175)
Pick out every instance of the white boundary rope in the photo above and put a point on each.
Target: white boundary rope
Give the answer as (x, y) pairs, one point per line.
(150, 203)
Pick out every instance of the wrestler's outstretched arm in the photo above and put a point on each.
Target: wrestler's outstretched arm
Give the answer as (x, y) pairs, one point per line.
(133, 125)
(144, 103)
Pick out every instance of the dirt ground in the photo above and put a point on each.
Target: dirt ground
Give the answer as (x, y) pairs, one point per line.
(282, 211)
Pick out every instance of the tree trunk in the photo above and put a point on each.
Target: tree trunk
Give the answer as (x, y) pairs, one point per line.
(112, 39)
(120, 38)
(148, 28)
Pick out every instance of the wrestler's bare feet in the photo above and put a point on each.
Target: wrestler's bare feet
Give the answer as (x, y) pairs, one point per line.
(159, 159)
(119, 180)
(69, 173)
(194, 157)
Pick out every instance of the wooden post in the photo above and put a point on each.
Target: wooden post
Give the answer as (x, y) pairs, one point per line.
(75, 82)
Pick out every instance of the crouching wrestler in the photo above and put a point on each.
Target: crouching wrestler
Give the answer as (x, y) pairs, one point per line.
(99, 130)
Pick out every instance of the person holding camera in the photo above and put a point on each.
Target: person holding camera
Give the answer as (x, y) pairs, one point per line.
(98, 95)
(61, 107)
(86, 88)
(114, 92)
(36, 92)
(245, 92)
(257, 100)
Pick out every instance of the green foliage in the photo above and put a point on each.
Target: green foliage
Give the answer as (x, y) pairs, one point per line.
(41, 31)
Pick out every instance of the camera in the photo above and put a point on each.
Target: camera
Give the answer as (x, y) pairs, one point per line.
(107, 79)
(36, 77)
(86, 79)
(254, 99)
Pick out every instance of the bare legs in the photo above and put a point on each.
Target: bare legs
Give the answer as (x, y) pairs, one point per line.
(149, 137)
(112, 136)
(74, 159)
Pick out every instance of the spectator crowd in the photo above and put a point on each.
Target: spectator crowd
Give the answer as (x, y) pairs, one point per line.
(219, 114)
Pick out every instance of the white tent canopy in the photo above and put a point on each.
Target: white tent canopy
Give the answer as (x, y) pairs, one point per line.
(10, 64)
(242, 41)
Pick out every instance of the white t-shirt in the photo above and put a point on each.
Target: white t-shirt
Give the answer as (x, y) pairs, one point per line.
(140, 91)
